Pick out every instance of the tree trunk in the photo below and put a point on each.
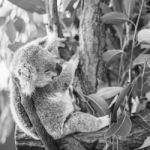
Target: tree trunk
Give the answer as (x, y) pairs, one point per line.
(92, 45)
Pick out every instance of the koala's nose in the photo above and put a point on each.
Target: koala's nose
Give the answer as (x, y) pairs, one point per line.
(58, 68)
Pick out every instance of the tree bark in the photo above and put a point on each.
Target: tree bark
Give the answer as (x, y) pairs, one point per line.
(92, 45)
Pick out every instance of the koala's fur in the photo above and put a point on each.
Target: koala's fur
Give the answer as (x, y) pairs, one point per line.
(36, 70)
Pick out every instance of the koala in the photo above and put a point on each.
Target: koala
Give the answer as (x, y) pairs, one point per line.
(41, 76)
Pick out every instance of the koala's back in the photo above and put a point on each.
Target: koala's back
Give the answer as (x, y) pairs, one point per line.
(53, 110)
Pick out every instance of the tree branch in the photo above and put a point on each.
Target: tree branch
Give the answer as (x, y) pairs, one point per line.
(54, 26)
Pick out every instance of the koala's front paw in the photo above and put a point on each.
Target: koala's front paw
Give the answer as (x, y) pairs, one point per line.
(54, 42)
(104, 121)
(59, 42)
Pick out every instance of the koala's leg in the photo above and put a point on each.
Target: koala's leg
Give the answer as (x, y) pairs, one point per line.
(83, 122)
(19, 114)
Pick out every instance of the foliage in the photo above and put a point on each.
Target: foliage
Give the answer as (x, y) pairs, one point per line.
(127, 56)
(129, 23)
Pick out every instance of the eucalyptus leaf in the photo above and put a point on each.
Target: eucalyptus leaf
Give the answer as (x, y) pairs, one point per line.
(11, 31)
(114, 18)
(37, 6)
(125, 127)
(143, 36)
(120, 100)
(109, 92)
(129, 6)
(118, 5)
(108, 55)
(141, 59)
(121, 128)
(13, 47)
(99, 105)
(142, 122)
(19, 24)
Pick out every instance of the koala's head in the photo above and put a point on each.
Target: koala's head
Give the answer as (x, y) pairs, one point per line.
(34, 67)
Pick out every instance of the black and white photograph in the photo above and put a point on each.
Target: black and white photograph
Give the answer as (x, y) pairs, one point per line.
(74, 74)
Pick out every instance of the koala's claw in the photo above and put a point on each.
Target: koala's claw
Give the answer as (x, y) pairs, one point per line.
(60, 42)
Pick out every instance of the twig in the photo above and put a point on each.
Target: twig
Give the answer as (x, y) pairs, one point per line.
(54, 25)
(53, 19)
(142, 80)
(133, 42)
(121, 69)
(48, 8)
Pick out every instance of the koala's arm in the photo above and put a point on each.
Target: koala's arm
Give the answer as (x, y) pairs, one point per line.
(19, 114)
(67, 75)
(62, 82)
(84, 122)
(78, 121)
